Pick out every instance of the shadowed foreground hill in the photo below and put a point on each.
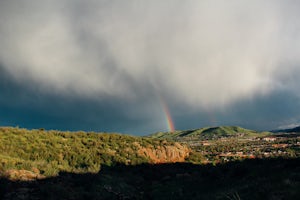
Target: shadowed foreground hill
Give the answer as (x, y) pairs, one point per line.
(273, 179)
(29, 154)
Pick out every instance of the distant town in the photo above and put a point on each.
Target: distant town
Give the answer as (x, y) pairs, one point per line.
(239, 147)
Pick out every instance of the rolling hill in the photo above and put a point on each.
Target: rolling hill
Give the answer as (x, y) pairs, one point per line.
(47, 153)
(210, 133)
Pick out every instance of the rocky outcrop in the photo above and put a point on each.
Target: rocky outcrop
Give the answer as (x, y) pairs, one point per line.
(165, 153)
(23, 175)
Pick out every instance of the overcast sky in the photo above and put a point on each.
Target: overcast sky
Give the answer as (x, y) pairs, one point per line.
(107, 65)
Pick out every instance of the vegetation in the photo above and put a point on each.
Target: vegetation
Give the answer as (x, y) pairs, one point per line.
(51, 152)
(209, 133)
(231, 143)
(232, 149)
(223, 163)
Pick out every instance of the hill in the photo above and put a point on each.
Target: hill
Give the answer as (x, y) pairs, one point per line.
(291, 130)
(247, 180)
(38, 164)
(39, 153)
(210, 133)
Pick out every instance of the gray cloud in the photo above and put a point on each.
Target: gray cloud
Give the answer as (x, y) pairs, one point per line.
(197, 54)
(24, 106)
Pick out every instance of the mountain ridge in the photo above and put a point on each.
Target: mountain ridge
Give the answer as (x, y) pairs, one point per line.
(210, 133)
(289, 130)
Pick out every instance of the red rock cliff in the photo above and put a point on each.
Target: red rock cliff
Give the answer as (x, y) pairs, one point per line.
(165, 153)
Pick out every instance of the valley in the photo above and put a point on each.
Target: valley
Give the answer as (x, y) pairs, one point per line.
(224, 144)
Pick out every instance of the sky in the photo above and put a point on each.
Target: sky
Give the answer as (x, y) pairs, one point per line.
(138, 66)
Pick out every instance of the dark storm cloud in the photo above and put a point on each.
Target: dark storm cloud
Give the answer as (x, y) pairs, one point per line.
(264, 113)
(107, 65)
(26, 106)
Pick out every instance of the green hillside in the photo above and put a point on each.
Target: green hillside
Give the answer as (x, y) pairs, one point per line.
(210, 133)
(50, 152)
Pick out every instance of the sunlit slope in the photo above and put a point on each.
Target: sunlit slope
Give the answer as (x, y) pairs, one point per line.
(50, 152)
(210, 133)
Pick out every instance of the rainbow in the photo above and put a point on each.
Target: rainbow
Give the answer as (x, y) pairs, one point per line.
(168, 116)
